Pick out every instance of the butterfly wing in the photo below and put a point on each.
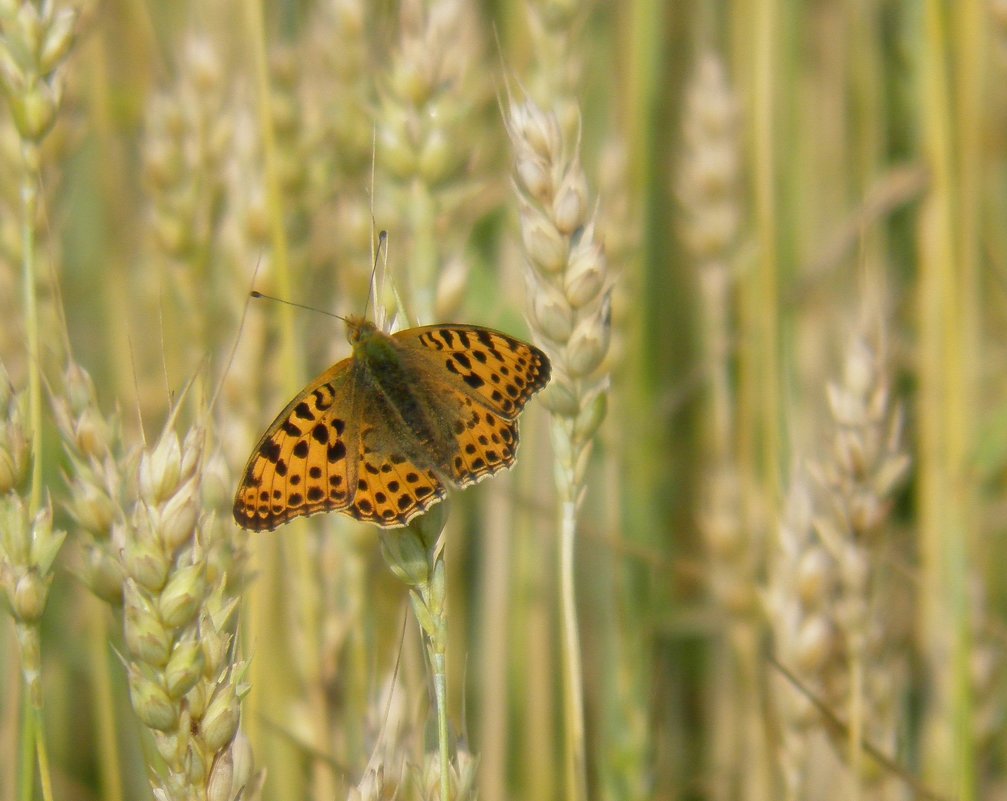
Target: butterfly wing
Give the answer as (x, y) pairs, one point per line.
(326, 451)
(391, 489)
(483, 379)
(303, 464)
(486, 442)
(497, 370)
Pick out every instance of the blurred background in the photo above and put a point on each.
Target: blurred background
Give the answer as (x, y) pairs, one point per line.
(762, 243)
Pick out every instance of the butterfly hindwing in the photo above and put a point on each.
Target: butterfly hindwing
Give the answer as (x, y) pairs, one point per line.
(391, 489)
(486, 442)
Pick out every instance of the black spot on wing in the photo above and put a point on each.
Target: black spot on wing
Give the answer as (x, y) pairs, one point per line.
(271, 450)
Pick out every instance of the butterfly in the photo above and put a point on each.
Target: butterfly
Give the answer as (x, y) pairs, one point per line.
(380, 436)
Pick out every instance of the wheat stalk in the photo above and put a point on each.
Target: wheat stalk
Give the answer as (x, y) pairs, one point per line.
(34, 46)
(569, 303)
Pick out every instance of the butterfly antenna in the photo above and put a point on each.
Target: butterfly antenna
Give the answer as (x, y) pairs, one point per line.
(255, 293)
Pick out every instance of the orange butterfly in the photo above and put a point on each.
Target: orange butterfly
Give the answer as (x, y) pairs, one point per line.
(378, 435)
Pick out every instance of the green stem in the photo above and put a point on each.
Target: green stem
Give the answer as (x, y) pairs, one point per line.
(573, 713)
(110, 769)
(272, 682)
(765, 135)
(441, 695)
(415, 558)
(33, 729)
(29, 205)
(33, 724)
(948, 375)
(43, 753)
(26, 786)
(435, 629)
(274, 195)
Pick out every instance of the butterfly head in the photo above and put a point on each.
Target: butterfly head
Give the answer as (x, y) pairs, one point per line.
(358, 329)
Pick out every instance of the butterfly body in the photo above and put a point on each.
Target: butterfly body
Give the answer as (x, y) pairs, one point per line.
(380, 435)
(419, 421)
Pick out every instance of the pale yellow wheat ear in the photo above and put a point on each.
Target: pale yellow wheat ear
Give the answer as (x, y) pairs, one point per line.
(432, 96)
(569, 311)
(832, 602)
(707, 188)
(185, 677)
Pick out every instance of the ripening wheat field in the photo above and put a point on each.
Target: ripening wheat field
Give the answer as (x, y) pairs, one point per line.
(753, 545)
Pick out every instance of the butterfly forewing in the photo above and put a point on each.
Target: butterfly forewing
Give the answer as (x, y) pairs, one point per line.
(304, 463)
(498, 370)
